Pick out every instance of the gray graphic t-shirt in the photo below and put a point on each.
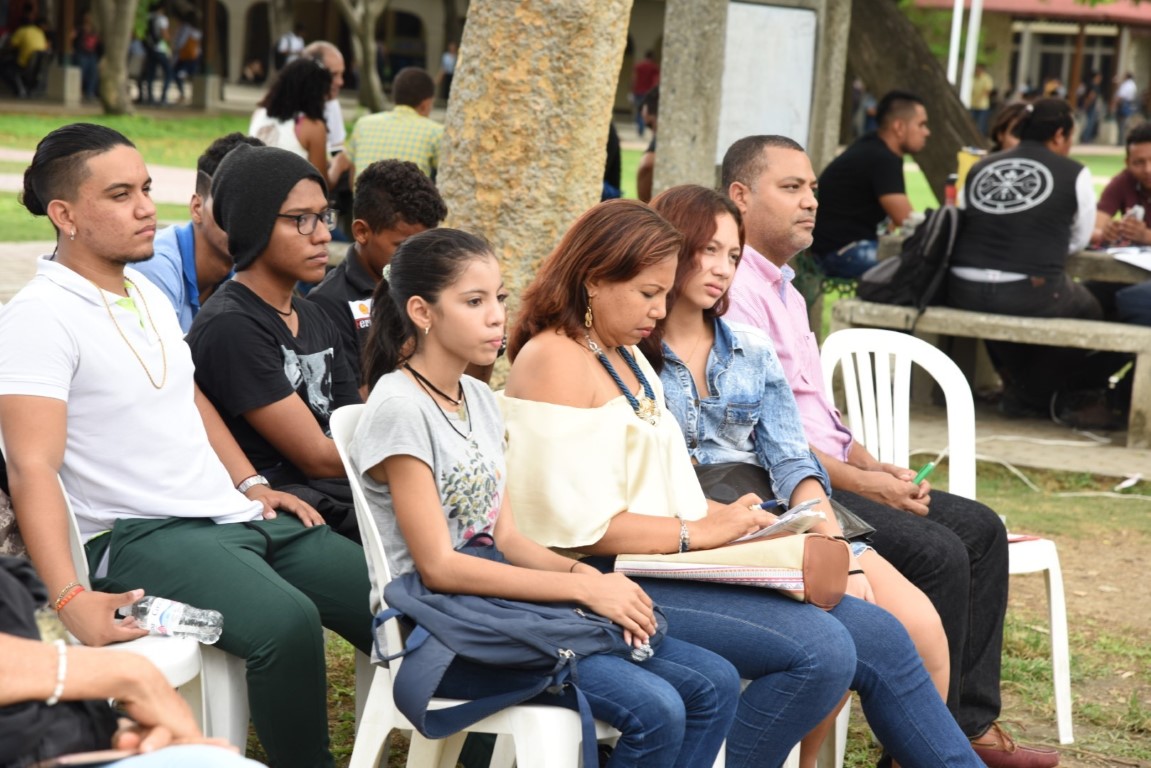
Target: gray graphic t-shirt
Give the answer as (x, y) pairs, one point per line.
(400, 419)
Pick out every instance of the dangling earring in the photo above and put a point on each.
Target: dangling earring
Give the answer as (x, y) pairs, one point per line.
(72, 236)
(427, 330)
(587, 317)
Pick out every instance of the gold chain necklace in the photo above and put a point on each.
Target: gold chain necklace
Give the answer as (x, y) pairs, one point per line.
(124, 336)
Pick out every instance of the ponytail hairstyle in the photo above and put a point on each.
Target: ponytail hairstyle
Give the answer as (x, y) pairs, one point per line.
(60, 164)
(1005, 122)
(693, 211)
(1042, 119)
(424, 265)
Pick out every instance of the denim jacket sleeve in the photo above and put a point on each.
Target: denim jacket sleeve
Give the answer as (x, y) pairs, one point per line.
(780, 443)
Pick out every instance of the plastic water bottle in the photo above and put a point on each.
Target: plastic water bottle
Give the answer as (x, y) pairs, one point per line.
(161, 616)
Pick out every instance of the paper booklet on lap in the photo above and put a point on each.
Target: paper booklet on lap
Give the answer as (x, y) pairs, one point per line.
(799, 519)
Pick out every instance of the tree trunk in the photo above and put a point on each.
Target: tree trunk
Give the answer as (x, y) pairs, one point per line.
(281, 20)
(451, 23)
(910, 66)
(527, 124)
(361, 16)
(116, 19)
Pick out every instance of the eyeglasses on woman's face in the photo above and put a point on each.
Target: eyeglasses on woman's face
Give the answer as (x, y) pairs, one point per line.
(306, 222)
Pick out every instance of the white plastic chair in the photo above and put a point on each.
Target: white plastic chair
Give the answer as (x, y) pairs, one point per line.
(185, 664)
(876, 368)
(544, 737)
(214, 683)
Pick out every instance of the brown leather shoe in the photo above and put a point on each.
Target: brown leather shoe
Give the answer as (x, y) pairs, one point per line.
(997, 749)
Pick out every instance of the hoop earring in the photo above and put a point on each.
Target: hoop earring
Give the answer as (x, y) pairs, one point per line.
(587, 317)
(72, 235)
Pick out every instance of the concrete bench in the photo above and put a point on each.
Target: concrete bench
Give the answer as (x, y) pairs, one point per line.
(1056, 332)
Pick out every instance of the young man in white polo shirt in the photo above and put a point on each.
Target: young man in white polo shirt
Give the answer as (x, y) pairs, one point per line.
(96, 387)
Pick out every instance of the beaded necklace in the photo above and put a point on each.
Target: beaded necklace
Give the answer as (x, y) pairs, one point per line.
(644, 407)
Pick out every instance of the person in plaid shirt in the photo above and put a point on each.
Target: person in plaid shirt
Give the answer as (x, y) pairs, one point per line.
(405, 133)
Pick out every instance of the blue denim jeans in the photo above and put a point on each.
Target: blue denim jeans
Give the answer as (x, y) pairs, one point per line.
(672, 710)
(801, 660)
(958, 556)
(1133, 304)
(852, 260)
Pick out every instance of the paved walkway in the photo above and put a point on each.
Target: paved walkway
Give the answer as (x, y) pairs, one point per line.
(169, 185)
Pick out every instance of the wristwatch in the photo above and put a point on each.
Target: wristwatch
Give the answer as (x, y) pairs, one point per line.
(254, 480)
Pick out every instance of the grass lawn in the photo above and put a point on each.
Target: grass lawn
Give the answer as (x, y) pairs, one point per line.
(174, 141)
(19, 226)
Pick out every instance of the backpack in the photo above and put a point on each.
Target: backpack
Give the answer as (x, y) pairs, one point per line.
(915, 277)
(548, 638)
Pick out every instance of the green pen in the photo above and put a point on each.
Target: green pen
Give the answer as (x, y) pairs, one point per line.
(928, 468)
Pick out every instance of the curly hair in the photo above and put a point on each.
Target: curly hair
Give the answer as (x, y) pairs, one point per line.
(388, 190)
(301, 87)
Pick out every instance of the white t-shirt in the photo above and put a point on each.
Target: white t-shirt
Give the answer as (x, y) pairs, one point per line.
(334, 120)
(1127, 90)
(276, 133)
(132, 451)
(291, 45)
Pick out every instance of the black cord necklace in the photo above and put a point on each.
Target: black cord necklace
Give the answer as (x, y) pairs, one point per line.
(282, 313)
(427, 384)
(461, 404)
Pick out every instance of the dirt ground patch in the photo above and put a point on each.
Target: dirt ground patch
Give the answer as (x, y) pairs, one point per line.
(1109, 620)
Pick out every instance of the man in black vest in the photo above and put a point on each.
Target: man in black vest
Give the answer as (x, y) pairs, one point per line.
(1024, 211)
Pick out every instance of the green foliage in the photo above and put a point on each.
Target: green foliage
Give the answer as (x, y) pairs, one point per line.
(934, 25)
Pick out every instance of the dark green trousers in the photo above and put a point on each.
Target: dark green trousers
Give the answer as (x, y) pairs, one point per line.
(275, 582)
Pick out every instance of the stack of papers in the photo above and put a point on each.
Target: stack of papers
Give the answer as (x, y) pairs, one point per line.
(1134, 255)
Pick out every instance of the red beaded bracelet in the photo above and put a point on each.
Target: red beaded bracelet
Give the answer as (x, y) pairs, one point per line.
(68, 597)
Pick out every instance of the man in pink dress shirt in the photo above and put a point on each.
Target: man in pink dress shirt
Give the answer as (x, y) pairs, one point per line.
(952, 548)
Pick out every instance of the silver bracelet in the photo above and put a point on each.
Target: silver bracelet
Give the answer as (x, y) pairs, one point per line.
(684, 536)
(61, 673)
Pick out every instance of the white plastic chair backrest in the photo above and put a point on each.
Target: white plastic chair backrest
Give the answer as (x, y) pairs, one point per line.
(343, 423)
(877, 370)
(75, 543)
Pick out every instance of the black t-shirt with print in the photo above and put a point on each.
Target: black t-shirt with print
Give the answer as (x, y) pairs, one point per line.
(247, 358)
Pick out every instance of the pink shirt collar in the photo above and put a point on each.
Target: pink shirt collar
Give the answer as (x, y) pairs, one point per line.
(762, 296)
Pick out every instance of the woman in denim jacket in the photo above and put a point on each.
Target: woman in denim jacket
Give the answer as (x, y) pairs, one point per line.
(747, 412)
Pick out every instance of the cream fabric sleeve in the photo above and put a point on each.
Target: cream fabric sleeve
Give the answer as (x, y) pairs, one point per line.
(571, 470)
